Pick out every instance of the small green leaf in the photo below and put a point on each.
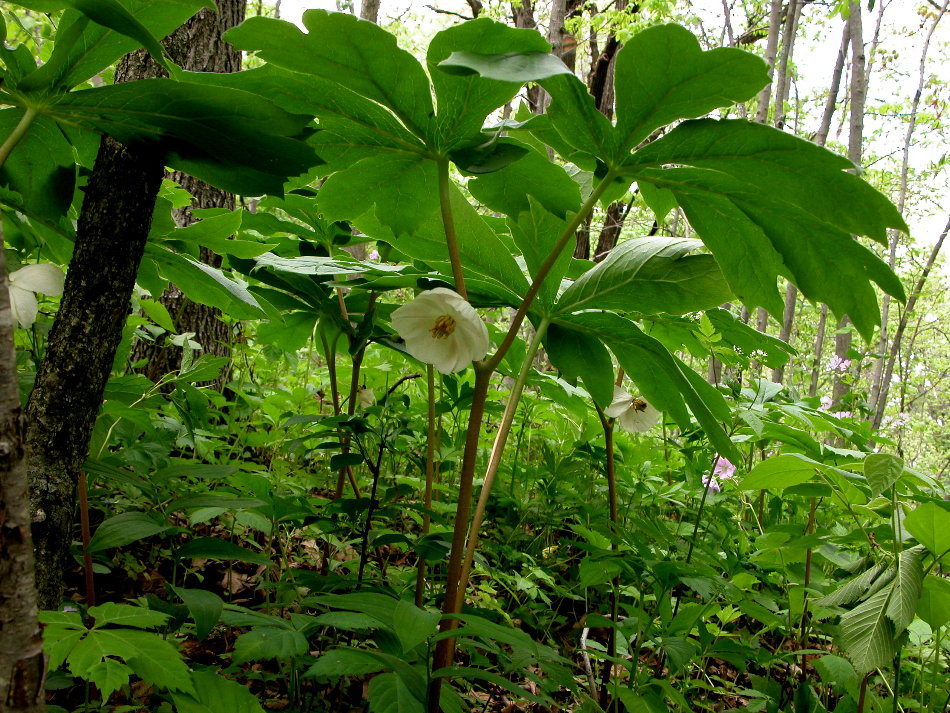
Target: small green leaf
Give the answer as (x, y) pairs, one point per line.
(109, 675)
(111, 14)
(780, 471)
(269, 642)
(124, 529)
(216, 549)
(929, 523)
(882, 470)
(934, 604)
(345, 662)
(205, 608)
(388, 693)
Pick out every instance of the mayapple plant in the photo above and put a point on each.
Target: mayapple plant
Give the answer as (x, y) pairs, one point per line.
(763, 204)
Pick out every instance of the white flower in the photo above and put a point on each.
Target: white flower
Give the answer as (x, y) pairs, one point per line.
(442, 329)
(25, 283)
(365, 397)
(634, 415)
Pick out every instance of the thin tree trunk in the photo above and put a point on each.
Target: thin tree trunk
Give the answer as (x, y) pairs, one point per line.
(522, 14)
(819, 349)
(197, 46)
(859, 87)
(902, 325)
(110, 238)
(369, 10)
(789, 31)
(771, 49)
(21, 642)
(878, 373)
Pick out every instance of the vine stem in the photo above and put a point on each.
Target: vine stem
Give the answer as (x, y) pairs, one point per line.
(19, 131)
(494, 460)
(445, 648)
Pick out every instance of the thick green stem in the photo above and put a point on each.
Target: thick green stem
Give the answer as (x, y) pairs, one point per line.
(430, 476)
(448, 223)
(19, 131)
(494, 460)
(542, 272)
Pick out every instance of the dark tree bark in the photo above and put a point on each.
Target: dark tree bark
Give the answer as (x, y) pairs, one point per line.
(198, 46)
(21, 643)
(369, 10)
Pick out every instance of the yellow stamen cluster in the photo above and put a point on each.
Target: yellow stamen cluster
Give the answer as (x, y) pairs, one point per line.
(444, 326)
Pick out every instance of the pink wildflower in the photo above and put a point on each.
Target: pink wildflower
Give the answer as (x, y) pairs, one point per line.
(839, 364)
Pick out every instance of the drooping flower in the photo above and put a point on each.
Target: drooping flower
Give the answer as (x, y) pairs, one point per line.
(365, 397)
(25, 283)
(826, 402)
(633, 414)
(441, 328)
(723, 470)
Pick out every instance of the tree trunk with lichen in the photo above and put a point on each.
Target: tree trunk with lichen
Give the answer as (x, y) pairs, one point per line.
(21, 643)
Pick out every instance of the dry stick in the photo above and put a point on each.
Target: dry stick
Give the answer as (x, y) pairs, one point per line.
(902, 326)
(430, 474)
(878, 373)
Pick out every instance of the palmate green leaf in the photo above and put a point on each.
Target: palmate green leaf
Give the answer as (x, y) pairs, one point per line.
(464, 100)
(41, 171)
(216, 694)
(355, 54)
(665, 381)
(345, 662)
(232, 139)
(662, 74)
(649, 275)
(112, 34)
(764, 203)
(929, 523)
(127, 615)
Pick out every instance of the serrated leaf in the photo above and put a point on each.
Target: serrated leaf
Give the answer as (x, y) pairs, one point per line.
(216, 694)
(856, 587)
(780, 471)
(868, 634)
(882, 470)
(127, 615)
(905, 588)
(109, 676)
(649, 275)
(930, 525)
(269, 642)
(156, 661)
(124, 529)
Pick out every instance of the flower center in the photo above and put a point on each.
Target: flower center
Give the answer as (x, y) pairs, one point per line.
(443, 327)
(639, 405)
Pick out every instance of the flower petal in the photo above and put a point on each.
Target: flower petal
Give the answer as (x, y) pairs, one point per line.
(24, 306)
(43, 277)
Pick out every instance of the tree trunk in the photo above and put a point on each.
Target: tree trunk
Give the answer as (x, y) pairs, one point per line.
(197, 46)
(110, 238)
(771, 49)
(859, 88)
(369, 10)
(21, 642)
